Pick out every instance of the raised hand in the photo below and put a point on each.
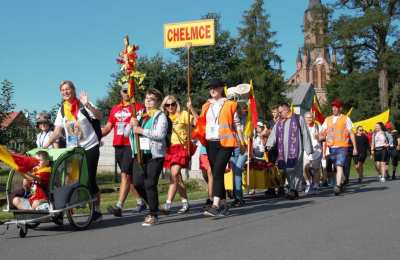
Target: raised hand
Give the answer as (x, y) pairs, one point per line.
(83, 97)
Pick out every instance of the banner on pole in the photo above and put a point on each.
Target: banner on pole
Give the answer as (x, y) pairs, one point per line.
(195, 33)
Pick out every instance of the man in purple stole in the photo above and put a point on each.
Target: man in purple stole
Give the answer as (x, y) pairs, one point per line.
(291, 138)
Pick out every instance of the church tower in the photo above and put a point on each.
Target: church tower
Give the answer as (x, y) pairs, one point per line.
(313, 63)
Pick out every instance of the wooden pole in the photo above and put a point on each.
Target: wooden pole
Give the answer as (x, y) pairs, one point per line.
(189, 88)
(133, 103)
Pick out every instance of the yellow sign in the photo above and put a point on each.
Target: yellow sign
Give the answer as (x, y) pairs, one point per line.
(195, 33)
(369, 124)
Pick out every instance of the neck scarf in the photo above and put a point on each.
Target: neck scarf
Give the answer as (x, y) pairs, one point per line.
(293, 142)
(71, 109)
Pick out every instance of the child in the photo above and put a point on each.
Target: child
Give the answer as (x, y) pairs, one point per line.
(38, 182)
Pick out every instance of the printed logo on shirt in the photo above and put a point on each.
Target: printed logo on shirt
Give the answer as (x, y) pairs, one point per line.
(123, 115)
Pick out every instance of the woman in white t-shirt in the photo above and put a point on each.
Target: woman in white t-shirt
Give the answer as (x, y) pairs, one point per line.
(79, 131)
(379, 149)
(44, 124)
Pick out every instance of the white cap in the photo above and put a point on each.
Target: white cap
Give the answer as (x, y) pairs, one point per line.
(243, 89)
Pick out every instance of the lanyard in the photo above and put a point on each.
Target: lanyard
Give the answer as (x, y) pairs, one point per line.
(41, 140)
(216, 118)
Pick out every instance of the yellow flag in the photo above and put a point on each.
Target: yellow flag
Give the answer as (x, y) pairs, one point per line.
(349, 113)
(369, 124)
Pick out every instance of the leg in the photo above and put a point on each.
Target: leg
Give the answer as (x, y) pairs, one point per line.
(92, 158)
(138, 183)
(152, 168)
(218, 158)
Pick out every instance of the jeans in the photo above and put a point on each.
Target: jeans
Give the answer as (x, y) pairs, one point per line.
(238, 160)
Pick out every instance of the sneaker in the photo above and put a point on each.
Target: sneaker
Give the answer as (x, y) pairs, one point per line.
(308, 188)
(359, 180)
(270, 194)
(336, 190)
(314, 191)
(116, 211)
(393, 177)
(237, 203)
(223, 211)
(281, 192)
(97, 216)
(141, 207)
(325, 184)
(165, 209)
(185, 208)
(149, 221)
(211, 211)
(292, 195)
(382, 180)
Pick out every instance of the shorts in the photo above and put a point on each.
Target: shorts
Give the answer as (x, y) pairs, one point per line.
(338, 155)
(381, 155)
(123, 156)
(176, 155)
(204, 163)
(359, 158)
(314, 164)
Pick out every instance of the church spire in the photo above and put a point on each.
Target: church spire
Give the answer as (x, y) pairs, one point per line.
(314, 3)
(299, 55)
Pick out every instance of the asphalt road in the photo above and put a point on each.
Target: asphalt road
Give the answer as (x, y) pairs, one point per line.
(361, 224)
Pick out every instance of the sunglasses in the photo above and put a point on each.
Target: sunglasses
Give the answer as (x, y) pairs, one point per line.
(125, 91)
(170, 105)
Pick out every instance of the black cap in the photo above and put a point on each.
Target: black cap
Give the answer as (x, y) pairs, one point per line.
(216, 83)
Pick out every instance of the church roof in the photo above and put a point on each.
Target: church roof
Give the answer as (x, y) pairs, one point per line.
(314, 3)
(299, 93)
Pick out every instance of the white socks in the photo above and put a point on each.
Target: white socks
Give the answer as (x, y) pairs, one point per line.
(216, 201)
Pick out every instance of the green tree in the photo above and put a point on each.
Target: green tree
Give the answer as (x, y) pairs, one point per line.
(259, 60)
(209, 62)
(357, 90)
(6, 106)
(369, 27)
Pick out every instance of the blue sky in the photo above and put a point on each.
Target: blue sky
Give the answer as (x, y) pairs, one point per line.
(44, 42)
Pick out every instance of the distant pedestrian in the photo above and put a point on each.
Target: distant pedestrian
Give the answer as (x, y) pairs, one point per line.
(337, 132)
(292, 139)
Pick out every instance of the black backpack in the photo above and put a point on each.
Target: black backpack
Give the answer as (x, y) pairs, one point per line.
(94, 122)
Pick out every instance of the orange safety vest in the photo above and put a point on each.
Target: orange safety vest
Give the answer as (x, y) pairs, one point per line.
(227, 132)
(337, 134)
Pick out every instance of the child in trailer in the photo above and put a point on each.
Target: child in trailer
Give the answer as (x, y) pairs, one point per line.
(38, 182)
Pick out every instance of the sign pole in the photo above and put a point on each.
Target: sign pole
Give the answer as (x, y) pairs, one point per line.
(189, 89)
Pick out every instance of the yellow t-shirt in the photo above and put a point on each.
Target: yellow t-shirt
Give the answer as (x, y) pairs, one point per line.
(179, 124)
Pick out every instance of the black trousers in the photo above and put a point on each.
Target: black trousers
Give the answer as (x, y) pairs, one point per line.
(146, 179)
(92, 158)
(218, 156)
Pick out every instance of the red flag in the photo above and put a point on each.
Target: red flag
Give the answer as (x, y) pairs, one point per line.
(17, 162)
(316, 110)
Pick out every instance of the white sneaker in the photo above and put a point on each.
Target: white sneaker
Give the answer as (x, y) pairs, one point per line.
(308, 188)
(382, 180)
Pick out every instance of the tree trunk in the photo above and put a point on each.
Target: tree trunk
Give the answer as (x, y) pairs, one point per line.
(383, 88)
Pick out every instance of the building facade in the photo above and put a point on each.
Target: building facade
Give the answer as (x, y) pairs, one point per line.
(314, 62)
